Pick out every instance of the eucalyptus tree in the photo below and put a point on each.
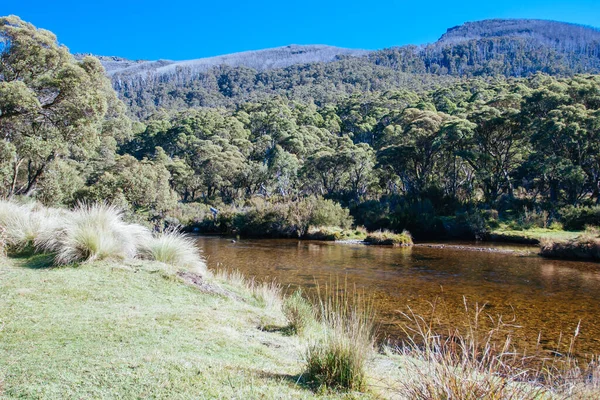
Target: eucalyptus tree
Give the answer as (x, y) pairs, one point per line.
(51, 106)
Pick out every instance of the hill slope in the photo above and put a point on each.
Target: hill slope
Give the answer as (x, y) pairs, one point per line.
(279, 57)
(510, 48)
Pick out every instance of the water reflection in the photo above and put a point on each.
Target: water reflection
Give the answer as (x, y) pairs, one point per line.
(544, 296)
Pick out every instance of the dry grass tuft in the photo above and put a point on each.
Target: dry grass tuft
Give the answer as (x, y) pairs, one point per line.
(299, 312)
(174, 248)
(93, 232)
(480, 361)
(267, 294)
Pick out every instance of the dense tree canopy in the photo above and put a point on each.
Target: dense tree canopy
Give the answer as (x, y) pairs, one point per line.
(51, 107)
(395, 157)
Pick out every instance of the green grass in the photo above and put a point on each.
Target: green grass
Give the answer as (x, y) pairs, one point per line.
(103, 330)
(106, 330)
(531, 236)
(331, 233)
(388, 238)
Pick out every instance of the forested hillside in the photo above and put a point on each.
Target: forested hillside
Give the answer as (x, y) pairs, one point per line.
(509, 48)
(432, 153)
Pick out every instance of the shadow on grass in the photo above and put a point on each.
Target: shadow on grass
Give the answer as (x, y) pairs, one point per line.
(296, 380)
(38, 261)
(287, 330)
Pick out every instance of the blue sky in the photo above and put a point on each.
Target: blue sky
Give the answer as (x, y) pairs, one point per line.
(181, 30)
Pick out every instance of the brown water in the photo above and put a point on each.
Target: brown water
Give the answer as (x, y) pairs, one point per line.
(544, 296)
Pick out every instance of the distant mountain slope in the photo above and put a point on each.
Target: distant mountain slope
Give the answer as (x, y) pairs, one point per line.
(511, 48)
(279, 57)
(560, 35)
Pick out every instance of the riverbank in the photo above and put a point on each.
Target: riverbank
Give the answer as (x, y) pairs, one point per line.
(139, 329)
(532, 236)
(114, 330)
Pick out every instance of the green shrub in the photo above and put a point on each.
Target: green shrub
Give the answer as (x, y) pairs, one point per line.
(529, 219)
(190, 214)
(388, 238)
(327, 213)
(298, 311)
(576, 218)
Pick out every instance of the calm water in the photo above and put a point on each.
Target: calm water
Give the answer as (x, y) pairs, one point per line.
(544, 296)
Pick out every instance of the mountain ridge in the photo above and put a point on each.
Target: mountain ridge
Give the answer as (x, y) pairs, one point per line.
(321, 73)
(284, 56)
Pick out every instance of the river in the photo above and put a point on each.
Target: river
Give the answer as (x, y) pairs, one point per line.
(540, 298)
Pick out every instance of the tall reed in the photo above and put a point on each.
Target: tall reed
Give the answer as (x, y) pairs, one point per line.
(337, 357)
(479, 360)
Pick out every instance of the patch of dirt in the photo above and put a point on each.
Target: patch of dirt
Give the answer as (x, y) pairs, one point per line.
(198, 282)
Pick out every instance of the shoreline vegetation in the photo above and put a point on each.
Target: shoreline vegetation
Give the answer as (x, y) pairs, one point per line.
(478, 156)
(106, 318)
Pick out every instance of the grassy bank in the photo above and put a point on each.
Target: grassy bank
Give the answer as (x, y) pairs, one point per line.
(138, 330)
(529, 236)
(387, 238)
(107, 330)
(585, 246)
(94, 307)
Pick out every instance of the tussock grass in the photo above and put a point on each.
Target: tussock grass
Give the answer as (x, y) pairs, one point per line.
(388, 238)
(233, 277)
(21, 224)
(174, 248)
(267, 294)
(478, 360)
(331, 233)
(93, 232)
(299, 312)
(337, 358)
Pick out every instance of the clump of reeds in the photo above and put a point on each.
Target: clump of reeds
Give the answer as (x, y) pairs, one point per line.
(584, 247)
(174, 248)
(299, 312)
(479, 360)
(388, 238)
(337, 357)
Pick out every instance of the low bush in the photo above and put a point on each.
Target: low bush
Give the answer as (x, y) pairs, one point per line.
(576, 218)
(388, 238)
